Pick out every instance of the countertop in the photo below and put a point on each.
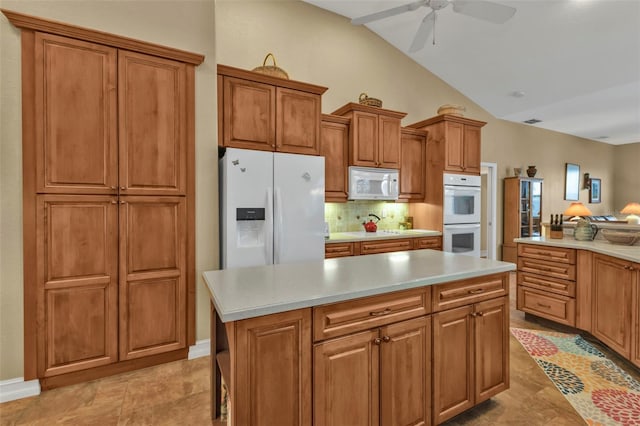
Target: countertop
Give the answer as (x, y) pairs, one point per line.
(343, 237)
(631, 253)
(240, 293)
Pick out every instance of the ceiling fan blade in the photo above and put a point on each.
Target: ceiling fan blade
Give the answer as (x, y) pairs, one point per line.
(485, 10)
(425, 28)
(388, 12)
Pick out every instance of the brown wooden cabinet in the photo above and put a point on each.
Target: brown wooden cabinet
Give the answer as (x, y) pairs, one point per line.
(434, 243)
(385, 246)
(546, 282)
(379, 376)
(374, 135)
(470, 357)
(413, 145)
(334, 146)
(108, 180)
(635, 344)
(613, 282)
(257, 111)
(272, 370)
(356, 248)
(453, 142)
(522, 216)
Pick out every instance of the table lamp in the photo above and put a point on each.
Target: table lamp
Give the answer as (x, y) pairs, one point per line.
(576, 210)
(632, 209)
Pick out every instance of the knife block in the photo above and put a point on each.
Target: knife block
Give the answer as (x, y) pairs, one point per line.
(556, 234)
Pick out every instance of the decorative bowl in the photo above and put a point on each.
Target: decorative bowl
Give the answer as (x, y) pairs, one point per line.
(620, 237)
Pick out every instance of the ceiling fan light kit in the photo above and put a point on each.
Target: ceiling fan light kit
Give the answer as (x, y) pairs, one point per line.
(480, 9)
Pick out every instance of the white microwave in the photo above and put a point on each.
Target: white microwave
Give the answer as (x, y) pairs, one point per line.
(368, 183)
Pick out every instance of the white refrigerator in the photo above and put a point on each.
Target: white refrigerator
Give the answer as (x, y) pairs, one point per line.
(271, 208)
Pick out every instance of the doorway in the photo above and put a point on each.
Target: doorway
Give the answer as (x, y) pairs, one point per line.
(489, 177)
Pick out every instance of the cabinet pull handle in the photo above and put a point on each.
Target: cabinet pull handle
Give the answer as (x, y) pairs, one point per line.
(386, 311)
(377, 340)
(386, 338)
(478, 291)
(544, 306)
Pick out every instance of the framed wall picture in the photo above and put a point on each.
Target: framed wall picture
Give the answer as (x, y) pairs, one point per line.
(572, 182)
(595, 191)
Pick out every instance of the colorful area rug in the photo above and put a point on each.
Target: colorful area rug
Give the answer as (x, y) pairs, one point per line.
(601, 392)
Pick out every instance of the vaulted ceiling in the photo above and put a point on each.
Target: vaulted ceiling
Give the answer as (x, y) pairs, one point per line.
(572, 64)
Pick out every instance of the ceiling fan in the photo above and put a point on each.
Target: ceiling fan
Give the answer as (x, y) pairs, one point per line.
(485, 10)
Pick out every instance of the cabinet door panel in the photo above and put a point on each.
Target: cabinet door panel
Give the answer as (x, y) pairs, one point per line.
(635, 355)
(334, 146)
(273, 379)
(364, 139)
(249, 114)
(612, 287)
(389, 142)
(297, 122)
(491, 325)
(471, 149)
(412, 168)
(405, 373)
(152, 275)
(345, 381)
(453, 363)
(75, 110)
(77, 287)
(454, 155)
(153, 137)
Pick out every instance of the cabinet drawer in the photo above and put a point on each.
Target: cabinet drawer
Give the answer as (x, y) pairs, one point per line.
(554, 254)
(564, 287)
(459, 293)
(547, 269)
(428, 243)
(338, 250)
(385, 246)
(557, 308)
(339, 319)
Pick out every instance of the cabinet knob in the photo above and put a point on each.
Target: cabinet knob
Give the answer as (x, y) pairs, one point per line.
(114, 202)
(123, 202)
(123, 188)
(114, 187)
(474, 314)
(377, 340)
(386, 338)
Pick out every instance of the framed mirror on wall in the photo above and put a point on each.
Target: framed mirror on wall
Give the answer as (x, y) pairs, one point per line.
(572, 182)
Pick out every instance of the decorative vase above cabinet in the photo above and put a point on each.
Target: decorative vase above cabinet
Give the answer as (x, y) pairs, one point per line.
(257, 111)
(374, 136)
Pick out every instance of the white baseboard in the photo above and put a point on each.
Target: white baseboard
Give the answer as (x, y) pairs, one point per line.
(17, 388)
(200, 349)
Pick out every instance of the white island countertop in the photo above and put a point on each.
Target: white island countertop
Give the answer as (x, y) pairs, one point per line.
(240, 293)
(631, 253)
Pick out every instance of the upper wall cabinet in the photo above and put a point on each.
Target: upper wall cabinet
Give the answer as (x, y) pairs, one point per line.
(334, 146)
(455, 141)
(374, 136)
(413, 145)
(257, 111)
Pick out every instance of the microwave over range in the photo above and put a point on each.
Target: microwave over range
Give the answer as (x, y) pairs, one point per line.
(368, 183)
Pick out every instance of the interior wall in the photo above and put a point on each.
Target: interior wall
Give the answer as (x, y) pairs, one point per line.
(183, 24)
(627, 189)
(317, 46)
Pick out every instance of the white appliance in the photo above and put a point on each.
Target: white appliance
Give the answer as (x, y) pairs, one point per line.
(462, 239)
(271, 208)
(461, 198)
(461, 214)
(369, 183)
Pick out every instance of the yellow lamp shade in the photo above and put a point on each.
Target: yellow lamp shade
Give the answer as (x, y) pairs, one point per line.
(632, 210)
(577, 209)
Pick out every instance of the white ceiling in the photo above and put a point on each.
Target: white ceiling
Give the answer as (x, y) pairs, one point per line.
(577, 61)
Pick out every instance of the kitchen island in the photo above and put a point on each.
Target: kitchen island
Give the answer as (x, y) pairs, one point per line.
(593, 286)
(413, 336)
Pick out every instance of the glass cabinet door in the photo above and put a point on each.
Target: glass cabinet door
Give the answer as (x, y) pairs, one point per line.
(536, 209)
(525, 209)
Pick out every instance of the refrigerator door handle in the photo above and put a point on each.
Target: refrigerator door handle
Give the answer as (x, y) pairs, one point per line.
(278, 229)
(268, 244)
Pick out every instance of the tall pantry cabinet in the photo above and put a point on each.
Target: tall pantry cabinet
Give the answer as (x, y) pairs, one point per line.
(108, 180)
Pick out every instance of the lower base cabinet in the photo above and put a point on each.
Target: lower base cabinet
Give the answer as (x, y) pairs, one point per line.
(380, 376)
(470, 357)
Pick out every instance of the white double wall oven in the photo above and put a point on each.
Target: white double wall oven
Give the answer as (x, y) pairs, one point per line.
(461, 214)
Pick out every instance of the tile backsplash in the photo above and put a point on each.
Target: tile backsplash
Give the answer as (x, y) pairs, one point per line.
(347, 217)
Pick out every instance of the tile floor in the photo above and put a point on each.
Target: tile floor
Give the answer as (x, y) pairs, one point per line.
(178, 394)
